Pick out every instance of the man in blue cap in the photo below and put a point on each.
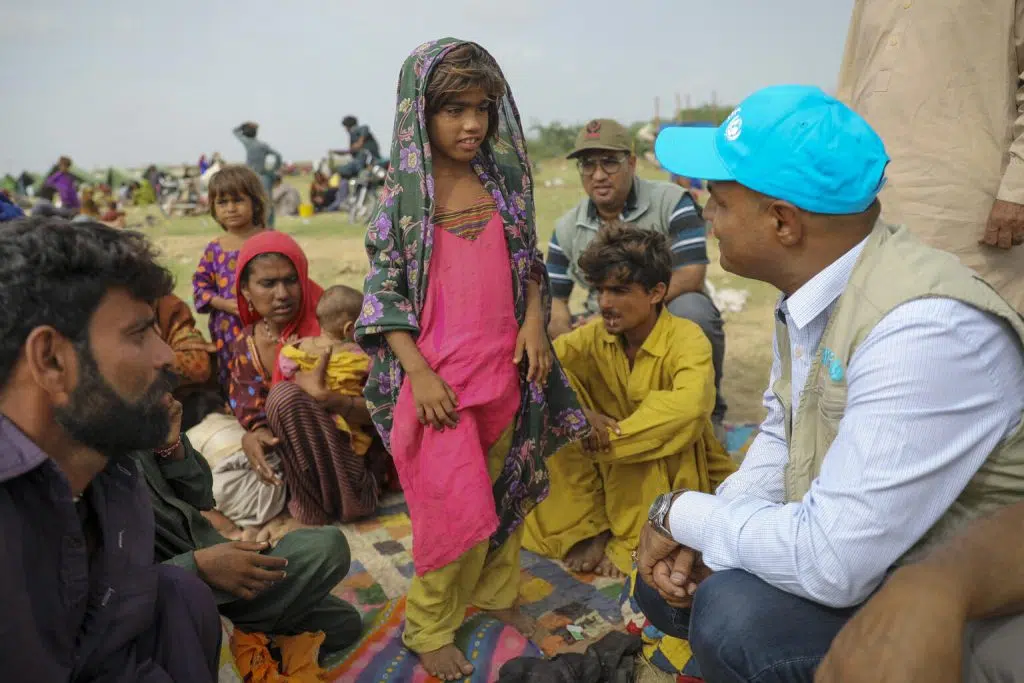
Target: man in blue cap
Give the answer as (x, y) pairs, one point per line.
(894, 409)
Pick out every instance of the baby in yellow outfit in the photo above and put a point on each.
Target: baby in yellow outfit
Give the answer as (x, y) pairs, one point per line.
(348, 365)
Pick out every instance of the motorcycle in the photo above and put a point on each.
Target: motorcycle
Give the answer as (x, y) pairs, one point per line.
(362, 196)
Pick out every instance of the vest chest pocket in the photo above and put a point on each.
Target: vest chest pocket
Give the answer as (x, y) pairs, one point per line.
(831, 408)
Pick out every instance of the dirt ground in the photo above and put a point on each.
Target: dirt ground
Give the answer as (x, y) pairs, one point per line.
(336, 255)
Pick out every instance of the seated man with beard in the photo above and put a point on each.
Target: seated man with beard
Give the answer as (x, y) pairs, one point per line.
(85, 381)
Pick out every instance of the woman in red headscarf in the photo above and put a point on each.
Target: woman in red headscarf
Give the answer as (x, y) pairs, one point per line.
(277, 301)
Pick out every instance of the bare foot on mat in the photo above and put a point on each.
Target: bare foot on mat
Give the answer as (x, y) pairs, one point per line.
(517, 619)
(608, 569)
(585, 556)
(447, 663)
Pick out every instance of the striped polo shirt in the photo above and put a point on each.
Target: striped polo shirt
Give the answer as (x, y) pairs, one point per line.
(652, 205)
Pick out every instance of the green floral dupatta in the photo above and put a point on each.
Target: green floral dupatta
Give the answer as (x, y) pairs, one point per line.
(399, 242)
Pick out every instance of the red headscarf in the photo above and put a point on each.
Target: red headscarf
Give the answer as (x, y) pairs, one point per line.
(304, 324)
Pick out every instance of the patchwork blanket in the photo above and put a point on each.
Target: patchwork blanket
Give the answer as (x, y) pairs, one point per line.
(571, 609)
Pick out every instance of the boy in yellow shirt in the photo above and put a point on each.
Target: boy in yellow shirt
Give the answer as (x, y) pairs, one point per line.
(646, 382)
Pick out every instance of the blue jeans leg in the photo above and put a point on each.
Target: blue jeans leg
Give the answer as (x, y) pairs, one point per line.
(744, 630)
(669, 620)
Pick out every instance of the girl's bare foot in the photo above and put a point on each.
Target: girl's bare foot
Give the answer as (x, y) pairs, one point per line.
(251, 534)
(607, 568)
(517, 619)
(447, 663)
(224, 526)
(585, 556)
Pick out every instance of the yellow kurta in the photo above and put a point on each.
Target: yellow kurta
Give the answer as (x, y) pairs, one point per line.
(939, 81)
(663, 406)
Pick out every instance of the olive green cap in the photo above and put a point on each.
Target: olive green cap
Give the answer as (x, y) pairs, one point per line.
(602, 134)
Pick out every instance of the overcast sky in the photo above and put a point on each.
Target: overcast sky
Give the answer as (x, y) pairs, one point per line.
(129, 83)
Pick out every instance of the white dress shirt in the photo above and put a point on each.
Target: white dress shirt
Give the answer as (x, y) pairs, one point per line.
(932, 390)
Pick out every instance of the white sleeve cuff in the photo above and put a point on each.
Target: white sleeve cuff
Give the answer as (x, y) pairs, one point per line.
(688, 517)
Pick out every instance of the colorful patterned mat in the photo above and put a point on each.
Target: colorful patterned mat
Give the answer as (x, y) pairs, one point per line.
(571, 609)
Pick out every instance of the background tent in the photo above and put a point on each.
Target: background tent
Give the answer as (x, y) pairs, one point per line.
(116, 177)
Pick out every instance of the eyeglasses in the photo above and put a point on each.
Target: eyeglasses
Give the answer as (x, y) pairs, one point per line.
(610, 164)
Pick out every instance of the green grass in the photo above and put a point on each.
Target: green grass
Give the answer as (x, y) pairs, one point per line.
(336, 255)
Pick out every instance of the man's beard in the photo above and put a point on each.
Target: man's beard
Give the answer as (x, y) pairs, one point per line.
(98, 417)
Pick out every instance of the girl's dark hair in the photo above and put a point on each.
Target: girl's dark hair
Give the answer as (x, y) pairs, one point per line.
(239, 181)
(464, 68)
(628, 254)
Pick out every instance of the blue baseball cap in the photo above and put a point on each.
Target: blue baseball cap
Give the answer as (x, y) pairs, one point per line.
(791, 142)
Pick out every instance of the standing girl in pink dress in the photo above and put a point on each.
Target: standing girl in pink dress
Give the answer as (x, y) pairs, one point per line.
(239, 205)
(464, 387)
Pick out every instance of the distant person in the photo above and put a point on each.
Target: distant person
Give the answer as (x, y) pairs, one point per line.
(88, 211)
(264, 161)
(66, 183)
(321, 194)
(8, 209)
(113, 216)
(285, 198)
(607, 166)
(45, 207)
(153, 176)
(84, 385)
(943, 89)
(238, 204)
(203, 164)
(362, 146)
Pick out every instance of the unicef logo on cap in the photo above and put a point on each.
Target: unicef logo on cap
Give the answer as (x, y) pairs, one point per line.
(733, 125)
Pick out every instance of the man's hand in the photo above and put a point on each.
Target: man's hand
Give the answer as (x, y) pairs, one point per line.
(314, 382)
(436, 402)
(677, 577)
(652, 549)
(599, 439)
(911, 631)
(533, 340)
(1005, 227)
(174, 410)
(239, 568)
(255, 445)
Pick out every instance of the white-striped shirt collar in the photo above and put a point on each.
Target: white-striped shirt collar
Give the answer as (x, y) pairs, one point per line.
(818, 293)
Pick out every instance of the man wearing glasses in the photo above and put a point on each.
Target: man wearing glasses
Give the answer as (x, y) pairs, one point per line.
(607, 165)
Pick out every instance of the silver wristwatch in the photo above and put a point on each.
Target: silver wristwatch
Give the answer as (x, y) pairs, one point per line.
(657, 516)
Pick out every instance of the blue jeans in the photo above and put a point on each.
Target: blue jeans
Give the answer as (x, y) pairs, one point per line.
(742, 630)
